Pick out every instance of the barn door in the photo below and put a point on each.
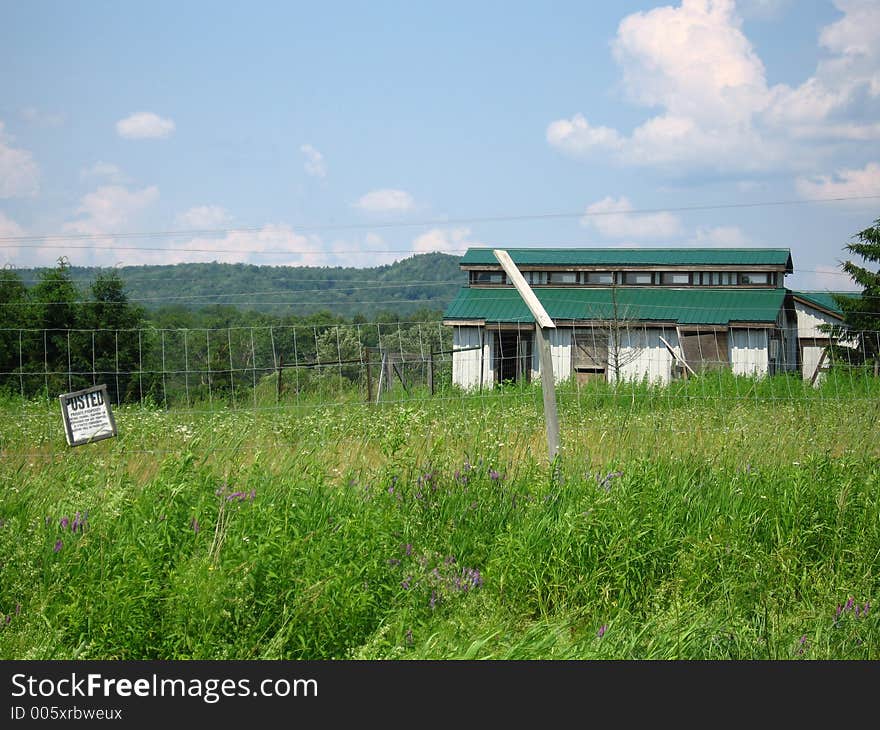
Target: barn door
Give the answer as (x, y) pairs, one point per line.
(705, 350)
(589, 354)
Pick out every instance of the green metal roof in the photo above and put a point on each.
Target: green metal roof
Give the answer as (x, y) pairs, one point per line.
(684, 306)
(634, 257)
(825, 299)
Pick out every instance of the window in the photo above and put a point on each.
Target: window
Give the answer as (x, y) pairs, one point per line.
(536, 277)
(754, 277)
(598, 277)
(675, 277)
(563, 277)
(716, 278)
(638, 277)
(487, 277)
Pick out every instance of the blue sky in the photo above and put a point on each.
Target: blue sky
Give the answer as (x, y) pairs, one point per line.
(361, 133)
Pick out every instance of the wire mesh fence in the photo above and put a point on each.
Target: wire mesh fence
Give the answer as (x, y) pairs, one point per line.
(369, 388)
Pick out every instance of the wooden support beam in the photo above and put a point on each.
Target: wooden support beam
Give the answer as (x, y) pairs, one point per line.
(678, 358)
(369, 376)
(543, 325)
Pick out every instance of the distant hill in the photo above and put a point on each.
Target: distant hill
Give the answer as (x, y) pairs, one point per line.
(418, 282)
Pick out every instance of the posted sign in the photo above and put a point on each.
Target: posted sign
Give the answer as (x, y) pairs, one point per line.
(87, 415)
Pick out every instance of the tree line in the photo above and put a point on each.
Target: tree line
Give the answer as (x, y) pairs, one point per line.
(58, 336)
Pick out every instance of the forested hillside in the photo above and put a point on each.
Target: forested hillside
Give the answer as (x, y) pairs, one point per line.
(423, 281)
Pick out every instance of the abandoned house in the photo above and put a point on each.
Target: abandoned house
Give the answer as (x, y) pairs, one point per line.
(634, 314)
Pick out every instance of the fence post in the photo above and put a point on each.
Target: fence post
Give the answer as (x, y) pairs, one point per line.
(431, 372)
(543, 324)
(278, 386)
(369, 377)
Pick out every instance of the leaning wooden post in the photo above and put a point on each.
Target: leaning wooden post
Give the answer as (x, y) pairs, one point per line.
(278, 386)
(543, 325)
(366, 358)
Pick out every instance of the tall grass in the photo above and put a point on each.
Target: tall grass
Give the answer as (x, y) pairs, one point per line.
(718, 518)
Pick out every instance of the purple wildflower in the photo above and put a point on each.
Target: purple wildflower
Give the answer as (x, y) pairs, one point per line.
(470, 578)
(393, 561)
(605, 482)
(58, 545)
(866, 608)
(803, 645)
(195, 525)
(849, 604)
(405, 582)
(64, 522)
(408, 548)
(602, 629)
(494, 475)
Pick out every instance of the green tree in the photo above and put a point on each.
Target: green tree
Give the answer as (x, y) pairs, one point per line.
(861, 314)
(13, 318)
(54, 312)
(117, 348)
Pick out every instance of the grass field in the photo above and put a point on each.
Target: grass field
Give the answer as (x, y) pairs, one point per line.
(721, 518)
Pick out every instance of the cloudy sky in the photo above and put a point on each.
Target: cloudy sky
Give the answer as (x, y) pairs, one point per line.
(360, 133)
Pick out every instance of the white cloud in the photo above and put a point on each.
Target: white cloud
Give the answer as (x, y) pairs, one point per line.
(385, 201)
(612, 218)
(19, 174)
(577, 136)
(107, 210)
(276, 244)
(720, 236)
(144, 125)
(715, 109)
(314, 164)
(10, 254)
(105, 170)
(39, 118)
(444, 240)
(844, 183)
(204, 216)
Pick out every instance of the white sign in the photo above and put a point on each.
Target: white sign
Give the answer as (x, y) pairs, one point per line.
(87, 416)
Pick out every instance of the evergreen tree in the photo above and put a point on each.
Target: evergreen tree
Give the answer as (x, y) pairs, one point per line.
(862, 314)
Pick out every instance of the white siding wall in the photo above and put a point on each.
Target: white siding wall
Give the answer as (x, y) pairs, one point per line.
(466, 365)
(749, 351)
(809, 319)
(811, 355)
(808, 323)
(560, 353)
(642, 355)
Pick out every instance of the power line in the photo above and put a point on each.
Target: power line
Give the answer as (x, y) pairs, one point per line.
(408, 224)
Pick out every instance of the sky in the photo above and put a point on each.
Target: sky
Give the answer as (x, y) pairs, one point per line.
(357, 134)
